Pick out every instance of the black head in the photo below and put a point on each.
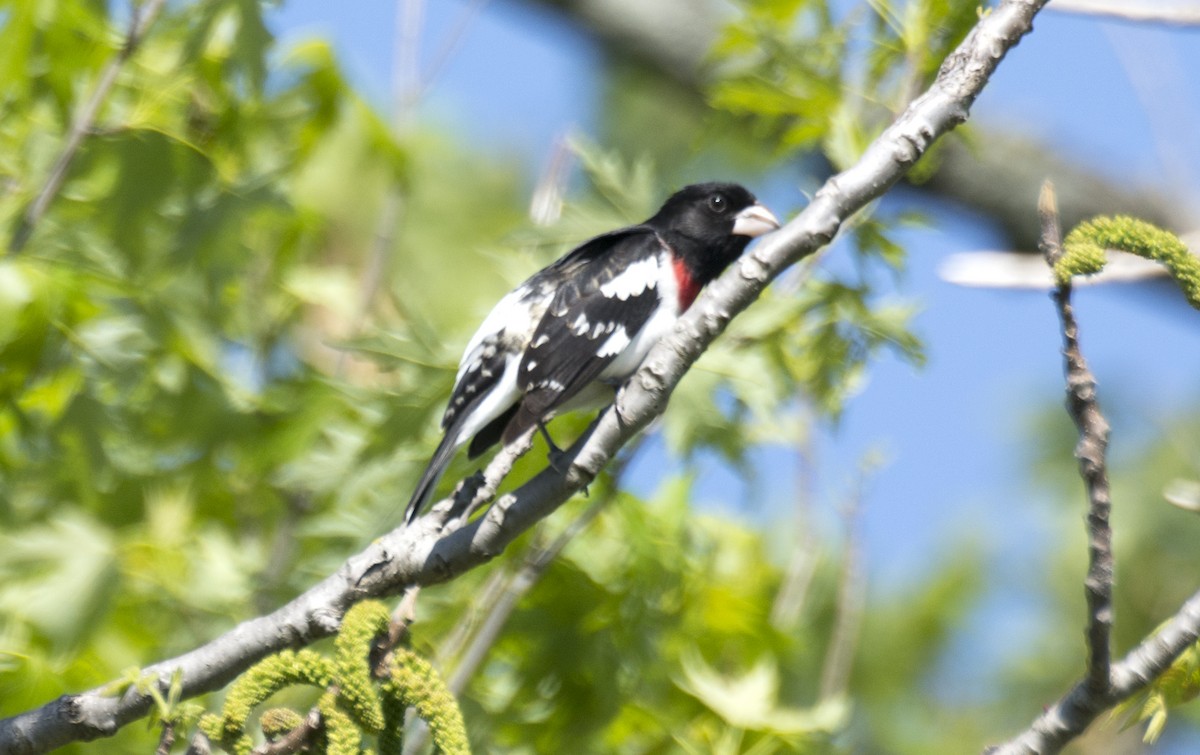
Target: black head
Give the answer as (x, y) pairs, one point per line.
(710, 224)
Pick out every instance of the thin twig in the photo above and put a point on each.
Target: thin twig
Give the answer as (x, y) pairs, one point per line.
(1076, 710)
(140, 19)
(1091, 453)
(1104, 685)
(449, 46)
(296, 740)
(537, 561)
(454, 642)
(199, 745)
(166, 740)
(405, 88)
(802, 566)
(851, 600)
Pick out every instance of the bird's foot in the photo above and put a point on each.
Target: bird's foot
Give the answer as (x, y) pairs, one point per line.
(557, 457)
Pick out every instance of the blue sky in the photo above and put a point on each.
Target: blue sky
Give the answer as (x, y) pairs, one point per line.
(957, 431)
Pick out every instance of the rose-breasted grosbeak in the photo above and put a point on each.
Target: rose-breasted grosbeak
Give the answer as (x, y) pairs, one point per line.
(577, 329)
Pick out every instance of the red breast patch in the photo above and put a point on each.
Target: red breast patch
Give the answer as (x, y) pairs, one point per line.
(688, 288)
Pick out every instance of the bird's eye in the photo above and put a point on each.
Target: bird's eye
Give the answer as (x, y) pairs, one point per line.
(718, 203)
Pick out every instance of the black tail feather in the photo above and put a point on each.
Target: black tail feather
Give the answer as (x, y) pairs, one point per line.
(432, 475)
(490, 434)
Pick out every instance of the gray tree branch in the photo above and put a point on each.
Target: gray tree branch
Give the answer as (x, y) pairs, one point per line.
(1091, 451)
(440, 546)
(1074, 712)
(1104, 685)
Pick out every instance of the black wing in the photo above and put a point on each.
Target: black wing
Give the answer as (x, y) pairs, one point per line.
(600, 305)
(487, 357)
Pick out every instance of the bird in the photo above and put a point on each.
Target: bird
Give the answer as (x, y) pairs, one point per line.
(573, 332)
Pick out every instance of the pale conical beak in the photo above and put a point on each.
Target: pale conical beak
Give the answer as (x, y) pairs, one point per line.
(754, 221)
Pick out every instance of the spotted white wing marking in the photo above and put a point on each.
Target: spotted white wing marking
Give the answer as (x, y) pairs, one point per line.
(496, 400)
(486, 383)
(514, 314)
(633, 280)
(615, 344)
(591, 323)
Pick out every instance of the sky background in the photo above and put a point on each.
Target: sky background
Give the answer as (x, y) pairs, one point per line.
(958, 432)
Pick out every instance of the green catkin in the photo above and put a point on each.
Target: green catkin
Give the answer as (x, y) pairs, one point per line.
(353, 703)
(266, 678)
(352, 648)
(1083, 251)
(342, 736)
(415, 683)
(391, 739)
(279, 721)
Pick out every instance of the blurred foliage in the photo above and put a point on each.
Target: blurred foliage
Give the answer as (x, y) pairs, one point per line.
(809, 74)
(225, 348)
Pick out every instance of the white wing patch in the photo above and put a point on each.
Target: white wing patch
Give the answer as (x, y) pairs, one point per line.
(661, 322)
(615, 344)
(516, 314)
(633, 280)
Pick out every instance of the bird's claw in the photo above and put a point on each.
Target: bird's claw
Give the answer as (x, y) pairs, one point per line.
(555, 455)
(557, 458)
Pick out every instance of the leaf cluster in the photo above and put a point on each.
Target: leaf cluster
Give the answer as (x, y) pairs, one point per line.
(807, 75)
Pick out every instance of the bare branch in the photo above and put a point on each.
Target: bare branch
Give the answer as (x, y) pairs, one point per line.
(851, 599)
(1091, 452)
(435, 548)
(166, 740)
(802, 566)
(536, 563)
(1071, 715)
(140, 19)
(1104, 684)
(296, 740)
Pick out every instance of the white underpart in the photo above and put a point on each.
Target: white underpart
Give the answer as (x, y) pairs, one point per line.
(633, 280)
(502, 395)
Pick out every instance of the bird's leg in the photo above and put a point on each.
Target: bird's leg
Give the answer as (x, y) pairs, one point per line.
(556, 456)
